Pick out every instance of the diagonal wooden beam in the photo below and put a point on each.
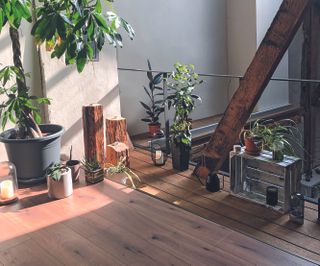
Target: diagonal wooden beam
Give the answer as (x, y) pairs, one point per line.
(268, 56)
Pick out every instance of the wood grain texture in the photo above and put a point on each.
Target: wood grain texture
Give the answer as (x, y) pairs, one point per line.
(115, 151)
(109, 224)
(93, 132)
(116, 130)
(183, 190)
(271, 50)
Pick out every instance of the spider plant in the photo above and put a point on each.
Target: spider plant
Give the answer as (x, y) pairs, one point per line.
(121, 168)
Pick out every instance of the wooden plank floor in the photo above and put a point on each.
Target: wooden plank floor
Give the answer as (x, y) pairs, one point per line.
(109, 224)
(261, 223)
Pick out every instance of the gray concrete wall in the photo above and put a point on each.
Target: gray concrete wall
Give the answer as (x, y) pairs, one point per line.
(168, 31)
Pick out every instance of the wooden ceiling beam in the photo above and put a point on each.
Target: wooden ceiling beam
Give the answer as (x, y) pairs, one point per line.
(268, 56)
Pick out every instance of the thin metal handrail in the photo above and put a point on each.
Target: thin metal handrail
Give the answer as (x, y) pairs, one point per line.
(221, 75)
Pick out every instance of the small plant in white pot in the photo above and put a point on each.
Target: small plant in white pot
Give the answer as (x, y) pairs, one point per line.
(59, 180)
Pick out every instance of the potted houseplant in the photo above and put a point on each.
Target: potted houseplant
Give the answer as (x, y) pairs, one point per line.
(252, 138)
(74, 166)
(59, 181)
(281, 137)
(155, 107)
(181, 84)
(68, 28)
(94, 173)
(122, 169)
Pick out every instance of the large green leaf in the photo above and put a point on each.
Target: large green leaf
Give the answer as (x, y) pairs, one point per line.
(82, 59)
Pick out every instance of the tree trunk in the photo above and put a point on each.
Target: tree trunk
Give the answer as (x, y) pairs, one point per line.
(115, 151)
(116, 130)
(92, 118)
(27, 123)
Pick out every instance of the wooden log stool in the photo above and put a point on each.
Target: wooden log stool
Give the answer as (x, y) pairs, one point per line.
(115, 151)
(93, 134)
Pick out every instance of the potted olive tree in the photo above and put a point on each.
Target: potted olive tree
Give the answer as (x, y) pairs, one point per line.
(155, 106)
(181, 84)
(69, 28)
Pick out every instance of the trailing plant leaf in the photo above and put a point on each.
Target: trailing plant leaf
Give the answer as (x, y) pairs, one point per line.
(121, 168)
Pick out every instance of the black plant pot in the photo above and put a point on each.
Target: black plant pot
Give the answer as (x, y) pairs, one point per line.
(32, 157)
(180, 156)
(213, 183)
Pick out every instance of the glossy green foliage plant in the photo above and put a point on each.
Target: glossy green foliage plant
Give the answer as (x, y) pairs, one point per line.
(181, 84)
(155, 106)
(12, 109)
(70, 28)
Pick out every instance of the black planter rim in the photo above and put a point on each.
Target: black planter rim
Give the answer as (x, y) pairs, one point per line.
(55, 130)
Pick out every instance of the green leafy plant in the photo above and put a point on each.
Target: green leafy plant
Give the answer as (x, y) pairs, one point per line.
(55, 171)
(181, 83)
(69, 28)
(90, 166)
(283, 136)
(13, 109)
(155, 107)
(121, 168)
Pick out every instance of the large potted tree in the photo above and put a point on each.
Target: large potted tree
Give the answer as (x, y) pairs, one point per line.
(181, 84)
(69, 29)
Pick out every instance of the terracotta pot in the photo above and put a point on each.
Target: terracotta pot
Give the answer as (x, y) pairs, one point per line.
(253, 146)
(154, 128)
(74, 165)
(62, 188)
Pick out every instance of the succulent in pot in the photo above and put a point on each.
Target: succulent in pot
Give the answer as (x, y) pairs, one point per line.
(94, 173)
(68, 28)
(59, 181)
(181, 84)
(155, 106)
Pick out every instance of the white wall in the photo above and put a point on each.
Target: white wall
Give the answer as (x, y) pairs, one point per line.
(69, 91)
(242, 38)
(277, 93)
(169, 31)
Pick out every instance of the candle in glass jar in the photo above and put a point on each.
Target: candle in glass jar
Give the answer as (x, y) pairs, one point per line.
(159, 157)
(6, 189)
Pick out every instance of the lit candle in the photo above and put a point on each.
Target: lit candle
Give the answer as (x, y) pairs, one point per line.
(159, 157)
(7, 190)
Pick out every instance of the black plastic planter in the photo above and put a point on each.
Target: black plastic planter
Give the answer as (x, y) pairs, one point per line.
(33, 156)
(180, 156)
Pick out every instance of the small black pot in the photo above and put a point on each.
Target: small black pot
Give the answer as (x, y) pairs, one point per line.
(213, 183)
(180, 156)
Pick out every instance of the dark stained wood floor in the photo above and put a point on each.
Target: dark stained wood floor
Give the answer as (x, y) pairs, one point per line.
(184, 190)
(109, 224)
